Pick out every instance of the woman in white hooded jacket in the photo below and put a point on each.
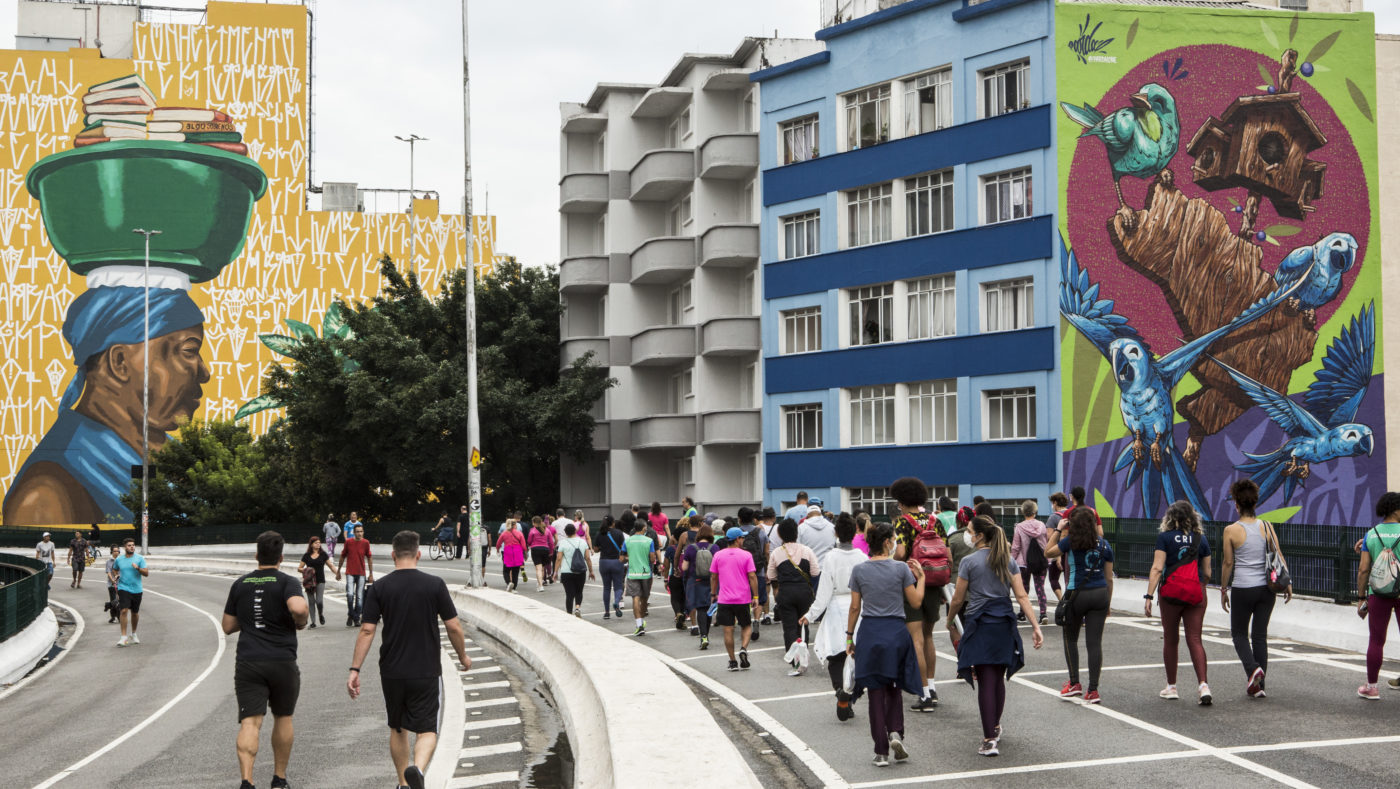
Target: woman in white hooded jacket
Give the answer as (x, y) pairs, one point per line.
(834, 600)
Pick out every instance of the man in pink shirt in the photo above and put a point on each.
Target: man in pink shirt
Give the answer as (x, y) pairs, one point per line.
(734, 584)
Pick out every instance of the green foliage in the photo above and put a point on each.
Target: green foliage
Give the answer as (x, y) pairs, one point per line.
(212, 473)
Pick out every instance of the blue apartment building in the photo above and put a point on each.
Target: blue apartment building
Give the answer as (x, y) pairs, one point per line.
(908, 258)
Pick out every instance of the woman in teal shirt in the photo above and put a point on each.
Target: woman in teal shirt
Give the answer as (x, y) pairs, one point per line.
(1375, 609)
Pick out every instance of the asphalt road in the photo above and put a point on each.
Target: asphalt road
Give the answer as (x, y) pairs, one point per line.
(1312, 730)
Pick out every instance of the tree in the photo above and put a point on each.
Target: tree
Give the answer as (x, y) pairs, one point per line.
(376, 416)
(214, 473)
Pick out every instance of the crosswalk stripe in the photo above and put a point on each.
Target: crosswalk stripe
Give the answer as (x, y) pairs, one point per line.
(495, 723)
(486, 779)
(489, 750)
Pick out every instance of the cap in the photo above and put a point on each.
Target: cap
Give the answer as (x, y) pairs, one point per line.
(710, 517)
(46, 534)
(813, 508)
(815, 502)
(734, 533)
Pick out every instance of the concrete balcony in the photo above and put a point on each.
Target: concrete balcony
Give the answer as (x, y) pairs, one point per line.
(575, 347)
(738, 426)
(729, 245)
(730, 156)
(733, 336)
(583, 275)
(728, 79)
(663, 346)
(583, 193)
(662, 261)
(670, 431)
(661, 102)
(663, 174)
(585, 123)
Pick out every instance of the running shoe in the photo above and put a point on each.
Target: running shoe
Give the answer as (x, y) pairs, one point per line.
(413, 777)
(1169, 693)
(123, 641)
(617, 610)
(766, 620)
(1393, 684)
(843, 706)
(135, 639)
(797, 672)
(695, 631)
(1368, 691)
(754, 637)
(1204, 691)
(881, 760)
(897, 748)
(933, 696)
(997, 732)
(743, 658)
(680, 621)
(1092, 697)
(1256, 683)
(924, 704)
(279, 782)
(640, 631)
(323, 619)
(1043, 620)
(704, 642)
(1021, 617)
(312, 625)
(578, 613)
(349, 621)
(1071, 689)
(989, 748)
(607, 614)
(733, 665)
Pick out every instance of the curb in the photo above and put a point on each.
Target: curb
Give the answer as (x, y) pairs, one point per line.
(578, 661)
(21, 652)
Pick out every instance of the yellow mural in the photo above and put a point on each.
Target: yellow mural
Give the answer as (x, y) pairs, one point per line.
(248, 62)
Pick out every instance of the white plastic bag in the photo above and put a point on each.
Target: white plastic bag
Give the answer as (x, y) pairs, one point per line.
(848, 675)
(796, 654)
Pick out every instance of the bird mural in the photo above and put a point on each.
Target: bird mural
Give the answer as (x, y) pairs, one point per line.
(1145, 383)
(1141, 139)
(1323, 264)
(1322, 428)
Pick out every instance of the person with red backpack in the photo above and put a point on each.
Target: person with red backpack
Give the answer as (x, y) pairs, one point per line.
(921, 537)
(1180, 571)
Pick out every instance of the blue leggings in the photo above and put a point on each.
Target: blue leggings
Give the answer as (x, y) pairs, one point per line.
(613, 581)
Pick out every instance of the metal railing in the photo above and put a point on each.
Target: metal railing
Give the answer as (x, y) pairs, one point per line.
(1320, 557)
(24, 592)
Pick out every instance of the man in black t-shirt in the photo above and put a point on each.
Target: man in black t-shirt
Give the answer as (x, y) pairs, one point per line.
(266, 608)
(464, 532)
(410, 602)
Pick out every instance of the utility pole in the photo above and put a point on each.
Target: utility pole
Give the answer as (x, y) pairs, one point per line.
(412, 218)
(146, 399)
(473, 420)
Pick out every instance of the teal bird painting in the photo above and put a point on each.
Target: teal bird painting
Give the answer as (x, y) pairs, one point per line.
(1141, 139)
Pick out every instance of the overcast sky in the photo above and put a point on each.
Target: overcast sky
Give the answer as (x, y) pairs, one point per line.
(385, 69)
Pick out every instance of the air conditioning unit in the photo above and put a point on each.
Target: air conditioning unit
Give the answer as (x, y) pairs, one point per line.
(341, 196)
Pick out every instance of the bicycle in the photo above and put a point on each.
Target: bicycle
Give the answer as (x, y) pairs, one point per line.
(440, 549)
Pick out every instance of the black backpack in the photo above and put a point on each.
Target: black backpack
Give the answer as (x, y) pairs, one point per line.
(753, 543)
(578, 565)
(1036, 562)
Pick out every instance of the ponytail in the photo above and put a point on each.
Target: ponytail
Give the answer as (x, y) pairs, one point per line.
(999, 552)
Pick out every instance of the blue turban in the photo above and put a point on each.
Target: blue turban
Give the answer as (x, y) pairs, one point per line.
(106, 316)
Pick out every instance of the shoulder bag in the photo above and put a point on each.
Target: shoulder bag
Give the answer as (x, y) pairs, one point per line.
(1275, 566)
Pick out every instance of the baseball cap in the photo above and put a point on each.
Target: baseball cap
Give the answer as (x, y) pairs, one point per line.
(710, 517)
(734, 533)
(46, 534)
(814, 508)
(815, 502)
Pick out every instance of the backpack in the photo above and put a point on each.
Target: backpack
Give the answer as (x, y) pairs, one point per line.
(1036, 562)
(1183, 581)
(932, 553)
(703, 557)
(1385, 571)
(753, 543)
(577, 565)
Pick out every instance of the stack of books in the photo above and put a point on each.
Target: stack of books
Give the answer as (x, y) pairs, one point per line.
(195, 125)
(115, 110)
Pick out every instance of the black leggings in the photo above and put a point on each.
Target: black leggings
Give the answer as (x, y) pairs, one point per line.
(793, 601)
(1089, 609)
(511, 574)
(1256, 603)
(991, 697)
(678, 602)
(573, 589)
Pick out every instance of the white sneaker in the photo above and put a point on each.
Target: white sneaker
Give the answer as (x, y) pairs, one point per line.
(1169, 692)
(135, 639)
(123, 641)
(897, 748)
(1204, 691)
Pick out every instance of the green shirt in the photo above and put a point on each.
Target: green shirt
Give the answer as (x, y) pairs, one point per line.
(1388, 531)
(638, 548)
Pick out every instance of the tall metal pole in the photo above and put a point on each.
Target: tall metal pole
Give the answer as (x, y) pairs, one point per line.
(412, 218)
(146, 398)
(473, 421)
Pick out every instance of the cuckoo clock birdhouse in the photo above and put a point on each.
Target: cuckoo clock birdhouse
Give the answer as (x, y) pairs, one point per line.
(1261, 145)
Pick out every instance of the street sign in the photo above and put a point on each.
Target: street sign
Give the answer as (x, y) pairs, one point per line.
(475, 505)
(476, 458)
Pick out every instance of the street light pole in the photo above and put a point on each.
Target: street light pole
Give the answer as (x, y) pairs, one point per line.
(473, 420)
(146, 397)
(412, 218)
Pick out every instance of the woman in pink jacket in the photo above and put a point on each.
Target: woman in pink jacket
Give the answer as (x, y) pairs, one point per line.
(511, 545)
(1028, 549)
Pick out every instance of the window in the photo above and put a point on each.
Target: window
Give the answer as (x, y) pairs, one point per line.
(748, 203)
(928, 102)
(685, 477)
(680, 308)
(1008, 305)
(935, 492)
(1010, 413)
(748, 386)
(1006, 89)
(802, 330)
(746, 294)
(869, 215)
(872, 315)
(802, 426)
(682, 395)
(679, 219)
(872, 415)
(1007, 507)
(933, 412)
(799, 139)
(928, 204)
(751, 478)
(678, 133)
(600, 153)
(751, 111)
(875, 501)
(868, 117)
(932, 308)
(1006, 196)
(802, 235)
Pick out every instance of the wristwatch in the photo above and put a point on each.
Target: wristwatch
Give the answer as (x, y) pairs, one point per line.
(1147, 596)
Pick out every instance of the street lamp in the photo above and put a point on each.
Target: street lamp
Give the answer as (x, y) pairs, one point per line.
(473, 420)
(413, 220)
(146, 396)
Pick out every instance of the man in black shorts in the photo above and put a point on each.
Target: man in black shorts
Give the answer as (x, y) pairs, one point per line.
(410, 602)
(266, 608)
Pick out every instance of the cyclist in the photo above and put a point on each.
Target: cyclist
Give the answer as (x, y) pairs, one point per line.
(446, 534)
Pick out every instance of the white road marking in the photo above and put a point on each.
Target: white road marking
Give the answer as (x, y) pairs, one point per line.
(482, 670)
(485, 685)
(721, 653)
(1031, 768)
(153, 717)
(486, 779)
(1311, 658)
(72, 642)
(491, 724)
(490, 750)
(1140, 666)
(504, 700)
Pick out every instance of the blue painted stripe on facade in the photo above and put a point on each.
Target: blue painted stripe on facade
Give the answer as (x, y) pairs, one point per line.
(986, 7)
(949, 357)
(878, 17)
(988, 463)
(940, 253)
(815, 59)
(1014, 132)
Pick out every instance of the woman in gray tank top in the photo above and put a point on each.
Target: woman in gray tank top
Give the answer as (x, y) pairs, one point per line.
(1244, 586)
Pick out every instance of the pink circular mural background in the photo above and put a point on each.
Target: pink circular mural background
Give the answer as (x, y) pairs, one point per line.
(1218, 74)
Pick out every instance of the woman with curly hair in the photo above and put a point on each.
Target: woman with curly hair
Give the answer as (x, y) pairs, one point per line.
(1090, 586)
(1180, 571)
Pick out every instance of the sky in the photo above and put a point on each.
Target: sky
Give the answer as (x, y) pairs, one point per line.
(379, 75)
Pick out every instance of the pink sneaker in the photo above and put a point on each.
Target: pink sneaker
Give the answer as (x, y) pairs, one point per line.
(1092, 697)
(1369, 692)
(1071, 689)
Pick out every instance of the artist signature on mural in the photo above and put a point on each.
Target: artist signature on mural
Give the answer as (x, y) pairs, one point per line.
(1085, 46)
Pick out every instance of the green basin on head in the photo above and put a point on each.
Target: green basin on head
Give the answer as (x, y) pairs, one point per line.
(200, 198)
